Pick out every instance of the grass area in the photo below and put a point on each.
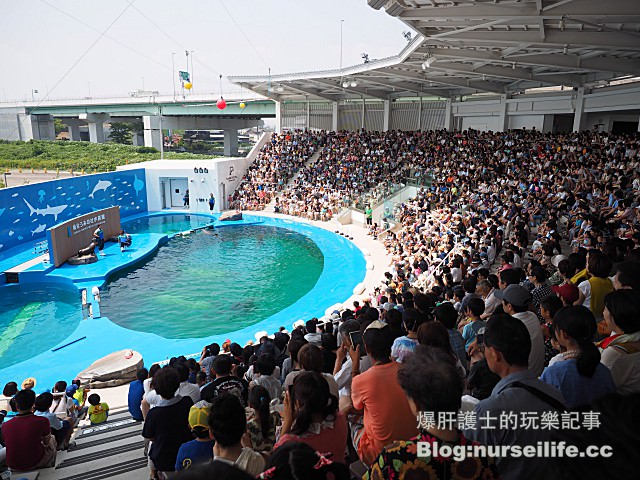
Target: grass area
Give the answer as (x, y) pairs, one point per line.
(64, 155)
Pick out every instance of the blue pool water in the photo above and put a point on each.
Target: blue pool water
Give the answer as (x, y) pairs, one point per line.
(35, 319)
(256, 274)
(169, 224)
(212, 282)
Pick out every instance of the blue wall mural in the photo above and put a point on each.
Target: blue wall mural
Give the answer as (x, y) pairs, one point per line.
(27, 211)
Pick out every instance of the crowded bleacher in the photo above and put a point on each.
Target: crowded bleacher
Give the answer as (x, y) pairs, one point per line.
(509, 314)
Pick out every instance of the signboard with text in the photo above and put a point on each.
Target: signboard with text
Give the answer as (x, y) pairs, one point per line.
(65, 239)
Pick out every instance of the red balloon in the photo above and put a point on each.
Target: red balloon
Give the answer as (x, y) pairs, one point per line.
(221, 104)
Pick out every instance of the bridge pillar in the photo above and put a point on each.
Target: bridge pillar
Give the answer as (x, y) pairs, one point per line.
(96, 125)
(42, 127)
(152, 132)
(230, 143)
(74, 128)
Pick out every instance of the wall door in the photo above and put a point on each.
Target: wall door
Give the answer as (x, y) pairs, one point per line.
(178, 187)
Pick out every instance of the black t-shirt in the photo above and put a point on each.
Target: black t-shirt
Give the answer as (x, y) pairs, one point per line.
(168, 426)
(222, 385)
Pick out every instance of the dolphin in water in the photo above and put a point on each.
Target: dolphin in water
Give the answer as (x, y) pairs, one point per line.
(101, 185)
(11, 232)
(55, 211)
(138, 184)
(41, 228)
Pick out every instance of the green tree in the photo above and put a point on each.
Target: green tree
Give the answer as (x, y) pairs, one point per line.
(121, 132)
(59, 126)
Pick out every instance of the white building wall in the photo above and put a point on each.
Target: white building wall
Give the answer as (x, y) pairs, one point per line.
(526, 121)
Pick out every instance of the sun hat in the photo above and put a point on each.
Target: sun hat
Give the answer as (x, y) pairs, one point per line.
(28, 383)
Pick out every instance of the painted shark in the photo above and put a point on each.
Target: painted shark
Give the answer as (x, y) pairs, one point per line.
(41, 228)
(55, 211)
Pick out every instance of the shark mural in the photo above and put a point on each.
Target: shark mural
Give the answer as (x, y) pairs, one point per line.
(50, 203)
(55, 211)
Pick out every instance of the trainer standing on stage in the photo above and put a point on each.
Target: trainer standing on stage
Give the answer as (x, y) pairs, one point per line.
(212, 202)
(99, 236)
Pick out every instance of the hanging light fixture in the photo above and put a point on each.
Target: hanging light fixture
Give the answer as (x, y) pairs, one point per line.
(354, 83)
(345, 84)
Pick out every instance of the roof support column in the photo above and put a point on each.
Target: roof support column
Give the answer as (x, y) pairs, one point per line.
(578, 110)
(334, 116)
(363, 113)
(308, 114)
(278, 117)
(386, 115)
(448, 117)
(420, 114)
(502, 114)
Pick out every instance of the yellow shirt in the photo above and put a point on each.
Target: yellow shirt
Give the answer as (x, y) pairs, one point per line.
(98, 413)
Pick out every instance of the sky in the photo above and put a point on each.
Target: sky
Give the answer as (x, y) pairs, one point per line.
(60, 48)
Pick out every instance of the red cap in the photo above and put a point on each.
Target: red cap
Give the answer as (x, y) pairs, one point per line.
(568, 292)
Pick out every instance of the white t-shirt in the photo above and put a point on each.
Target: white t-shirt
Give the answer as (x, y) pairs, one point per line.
(343, 377)
(536, 357)
(585, 288)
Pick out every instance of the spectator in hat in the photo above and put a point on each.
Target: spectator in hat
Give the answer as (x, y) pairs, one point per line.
(29, 383)
(200, 449)
(515, 302)
(567, 292)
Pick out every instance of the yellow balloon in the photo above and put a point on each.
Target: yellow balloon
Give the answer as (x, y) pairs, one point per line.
(188, 85)
(242, 105)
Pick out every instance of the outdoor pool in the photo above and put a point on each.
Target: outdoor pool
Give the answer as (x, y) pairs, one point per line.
(213, 281)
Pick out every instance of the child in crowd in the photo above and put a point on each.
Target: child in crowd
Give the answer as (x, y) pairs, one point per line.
(473, 323)
(199, 450)
(261, 422)
(81, 397)
(98, 411)
(61, 429)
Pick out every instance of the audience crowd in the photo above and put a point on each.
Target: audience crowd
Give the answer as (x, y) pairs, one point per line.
(508, 317)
